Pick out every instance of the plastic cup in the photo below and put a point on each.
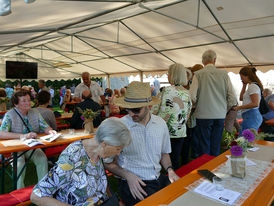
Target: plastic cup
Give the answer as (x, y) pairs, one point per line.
(217, 182)
(71, 131)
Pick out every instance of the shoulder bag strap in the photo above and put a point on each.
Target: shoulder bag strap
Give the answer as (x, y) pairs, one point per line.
(259, 87)
(22, 120)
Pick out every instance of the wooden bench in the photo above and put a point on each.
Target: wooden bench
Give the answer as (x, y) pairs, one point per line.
(17, 197)
(54, 151)
(194, 164)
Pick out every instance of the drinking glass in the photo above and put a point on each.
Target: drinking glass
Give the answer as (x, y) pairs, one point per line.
(217, 182)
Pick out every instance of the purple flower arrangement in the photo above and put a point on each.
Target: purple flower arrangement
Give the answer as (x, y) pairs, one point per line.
(236, 150)
(239, 146)
(248, 135)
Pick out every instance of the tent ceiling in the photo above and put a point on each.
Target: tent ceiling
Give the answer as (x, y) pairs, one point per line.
(115, 38)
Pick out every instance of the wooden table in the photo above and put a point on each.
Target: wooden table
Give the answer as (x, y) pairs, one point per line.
(65, 116)
(262, 195)
(13, 150)
(73, 103)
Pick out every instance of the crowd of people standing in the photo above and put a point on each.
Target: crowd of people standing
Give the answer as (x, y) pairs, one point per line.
(159, 128)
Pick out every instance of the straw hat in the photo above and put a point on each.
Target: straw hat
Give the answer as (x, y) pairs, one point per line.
(137, 95)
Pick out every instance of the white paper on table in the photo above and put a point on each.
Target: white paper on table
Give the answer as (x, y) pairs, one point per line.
(253, 149)
(76, 134)
(32, 142)
(209, 190)
(248, 162)
(50, 137)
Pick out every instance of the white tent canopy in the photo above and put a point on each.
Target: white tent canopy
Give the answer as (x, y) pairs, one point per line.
(109, 37)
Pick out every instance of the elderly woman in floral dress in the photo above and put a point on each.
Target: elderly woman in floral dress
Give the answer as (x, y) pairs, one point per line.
(78, 178)
(175, 109)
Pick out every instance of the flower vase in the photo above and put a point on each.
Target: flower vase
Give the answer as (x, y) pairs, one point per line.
(3, 106)
(238, 166)
(89, 128)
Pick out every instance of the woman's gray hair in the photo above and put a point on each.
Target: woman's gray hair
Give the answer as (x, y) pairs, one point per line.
(178, 74)
(113, 132)
(209, 56)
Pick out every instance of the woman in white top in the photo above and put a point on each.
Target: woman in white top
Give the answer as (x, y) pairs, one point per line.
(251, 98)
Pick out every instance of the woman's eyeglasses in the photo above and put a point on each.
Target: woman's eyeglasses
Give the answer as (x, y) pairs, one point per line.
(134, 110)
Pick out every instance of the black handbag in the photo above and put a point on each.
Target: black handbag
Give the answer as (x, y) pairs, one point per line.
(263, 107)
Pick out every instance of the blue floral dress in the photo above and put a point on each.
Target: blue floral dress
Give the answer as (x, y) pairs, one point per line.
(75, 179)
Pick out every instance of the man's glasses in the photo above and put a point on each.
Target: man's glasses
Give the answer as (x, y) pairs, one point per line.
(134, 110)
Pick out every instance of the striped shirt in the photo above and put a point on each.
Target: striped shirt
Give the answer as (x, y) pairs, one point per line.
(142, 157)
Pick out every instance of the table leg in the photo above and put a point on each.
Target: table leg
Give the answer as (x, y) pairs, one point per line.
(2, 174)
(15, 158)
(14, 175)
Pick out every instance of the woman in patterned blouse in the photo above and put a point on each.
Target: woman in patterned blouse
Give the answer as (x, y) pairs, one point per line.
(78, 178)
(175, 108)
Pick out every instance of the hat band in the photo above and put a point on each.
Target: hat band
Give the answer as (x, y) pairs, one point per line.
(149, 99)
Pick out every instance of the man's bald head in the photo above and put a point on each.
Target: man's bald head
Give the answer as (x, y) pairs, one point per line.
(86, 94)
(86, 78)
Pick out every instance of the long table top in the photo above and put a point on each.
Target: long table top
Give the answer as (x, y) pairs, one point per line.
(59, 141)
(262, 195)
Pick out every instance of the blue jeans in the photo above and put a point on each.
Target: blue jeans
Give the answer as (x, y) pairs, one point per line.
(209, 132)
(252, 119)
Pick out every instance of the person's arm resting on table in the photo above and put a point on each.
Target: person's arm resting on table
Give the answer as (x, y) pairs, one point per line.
(49, 130)
(6, 134)
(166, 163)
(134, 182)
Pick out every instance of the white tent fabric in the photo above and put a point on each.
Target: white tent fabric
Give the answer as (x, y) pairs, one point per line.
(122, 37)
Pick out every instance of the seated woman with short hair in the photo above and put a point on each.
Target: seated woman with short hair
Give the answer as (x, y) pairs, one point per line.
(78, 178)
(47, 114)
(24, 122)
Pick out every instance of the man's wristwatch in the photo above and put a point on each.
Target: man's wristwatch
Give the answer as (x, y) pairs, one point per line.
(169, 168)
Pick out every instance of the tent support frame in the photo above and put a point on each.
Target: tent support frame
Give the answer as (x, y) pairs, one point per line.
(108, 56)
(221, 26)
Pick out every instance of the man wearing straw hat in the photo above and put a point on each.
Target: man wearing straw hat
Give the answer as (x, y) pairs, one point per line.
(139, 164)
